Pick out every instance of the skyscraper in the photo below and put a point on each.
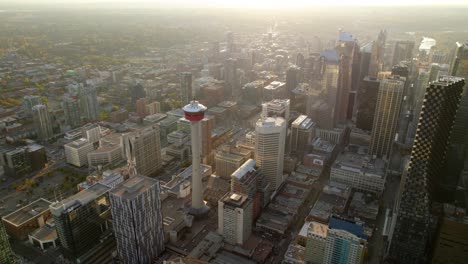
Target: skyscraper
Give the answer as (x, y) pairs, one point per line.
(71, 107)
(235, 217)
(422, 178)
(89, 103)
(270, 137)
(137, 219)
(6, 254)
(42, 122)
(346, 242)
(403, 51)
(231, 89)
(302, 131)
(366, 103)
(186, 87)
(28, 102)
(80, 220)
(276, 108)
(292, 79)
(330, 80)
(146, 148)
(458, 147)
(137, 91)
(249, 180)
(387, 112)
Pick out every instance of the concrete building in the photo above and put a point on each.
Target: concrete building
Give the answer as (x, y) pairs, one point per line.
(109, 152)
(249, 180)
(23, 221)
(80, 220)
(42, 122)
(153, 108)
(316, 242)
(270, 137)
(387, 112)
(145, 147)
(334, 136)
(276, 108)
(274, 90)
(354, 167)
(422, 180)
(346, 242)
(235, 218)
(92, 132)
(29, 101)
(76, 152)
(228, 159)
(137, 220)
(302, 131)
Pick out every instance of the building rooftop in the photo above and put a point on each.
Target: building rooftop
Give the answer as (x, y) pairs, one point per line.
(270, 122)
(227, 104)
(154, 118)
(303, 122)
(79, 199)
(330, 55)
(248, 166)
(78, 143)
(357, 160)
(217, 110)
(274, 85)
(26, 213)
(109, 142)
(235, 199)
(318, 229)
(133, 187)
(346, 225)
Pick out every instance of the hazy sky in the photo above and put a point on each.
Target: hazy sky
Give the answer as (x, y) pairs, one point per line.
(246, 3)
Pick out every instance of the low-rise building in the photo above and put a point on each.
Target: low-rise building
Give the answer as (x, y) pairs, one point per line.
(357, 169)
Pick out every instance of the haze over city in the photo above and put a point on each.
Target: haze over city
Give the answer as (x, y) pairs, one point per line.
(219, 131)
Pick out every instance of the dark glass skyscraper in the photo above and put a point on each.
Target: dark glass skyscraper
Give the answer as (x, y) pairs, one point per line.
(186, 87)
(414, 225)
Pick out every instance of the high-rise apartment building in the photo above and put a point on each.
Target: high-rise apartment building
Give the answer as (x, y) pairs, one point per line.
(29, 101)
(423, 176)
(71, 108)
(270, 137)
(186, 87)
(367, 101)
(346, 242)
(137, 220)
(145, 145)
(6, 254)
(235, 217)
(302, 131)
(42, 122)
(386, 116)
(89, 103)
(80, 220)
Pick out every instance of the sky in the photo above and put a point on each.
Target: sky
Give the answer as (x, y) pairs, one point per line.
(247, 3)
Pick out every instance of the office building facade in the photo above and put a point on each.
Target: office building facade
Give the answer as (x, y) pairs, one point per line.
(270, 137)
(386, 116)
(366, 103)
(137, 220)
(235, 218)
(146, 148)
